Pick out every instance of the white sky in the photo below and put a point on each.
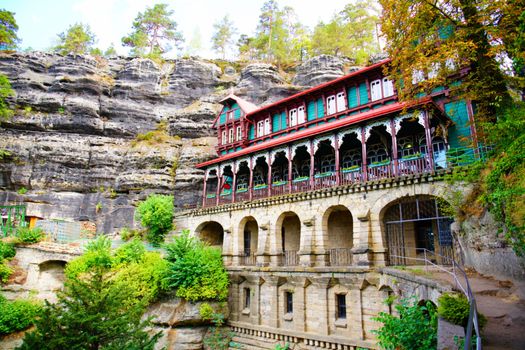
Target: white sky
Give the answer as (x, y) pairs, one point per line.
(41, 20)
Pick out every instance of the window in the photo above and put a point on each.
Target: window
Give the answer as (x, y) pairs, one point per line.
(260, 128)
(388, 88)
(247, 242)
(330, 104)
(341, 305)
(375, 90)
(229, 115)
(293, 117)
(239, 133)
(341, 102)
(267, 126)
(288, 302)
(224, 140)
(231, 135)
(247, 296)
(301, 117)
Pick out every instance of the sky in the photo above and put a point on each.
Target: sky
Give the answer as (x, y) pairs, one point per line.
(40, 21)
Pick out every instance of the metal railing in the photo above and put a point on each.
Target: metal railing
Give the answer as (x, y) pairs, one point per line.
(249, 259)
(340, 256)
(290, 258)
(461, 281)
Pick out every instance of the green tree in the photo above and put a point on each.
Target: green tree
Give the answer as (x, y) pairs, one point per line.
(5, 92)
(91, 313)
(222, 39)
(194, 46)
(351, 32)
(246, 48)
(156, 214)
(78, 39)
(153, 32)
(110, 51)
(438, 39)
(8, 28)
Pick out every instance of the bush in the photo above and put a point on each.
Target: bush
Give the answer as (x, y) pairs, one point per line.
(156, 214)
(29, 235)
(455, 308)
(126, 234)
(7, 251)
(17, 315)
(196, 270)
(415, 328)
(5, 271)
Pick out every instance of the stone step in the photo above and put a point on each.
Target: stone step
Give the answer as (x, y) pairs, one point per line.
(251, 343)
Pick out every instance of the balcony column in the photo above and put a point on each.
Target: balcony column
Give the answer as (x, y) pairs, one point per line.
(204, 188)
(250, 182)
(270, 174)
(219, 184)
(337, 165)
(364, 169)
(234, 183)
(290, 169)
(312, 162)
(394, 146)
(428, 140)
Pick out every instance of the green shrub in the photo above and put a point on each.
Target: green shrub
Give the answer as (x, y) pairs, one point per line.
(97, 254)
(415, 328)
(130, 252)
(22, 190)
(29, 235)
(7, 251)
(219, 338)
(5, 271)
(126, 234)
(156, 214)
(196, 270)
(17, 315)
(455, 308)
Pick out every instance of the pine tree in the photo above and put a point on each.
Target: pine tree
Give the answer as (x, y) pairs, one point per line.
(8, 28)
(153, 32)
(222, 39)
(78, 39)
(93, 312)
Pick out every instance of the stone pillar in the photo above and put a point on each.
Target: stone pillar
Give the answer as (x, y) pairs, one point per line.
(236, 248)
(227, 253)
(355, 306)
(306, 256)
(320, 295)
(299, 302)
(378, 244)
(264, 237)
(270, 291)
(361, 238)
(234, 297)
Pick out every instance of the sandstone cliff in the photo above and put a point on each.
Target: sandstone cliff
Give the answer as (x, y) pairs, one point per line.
(91, 136)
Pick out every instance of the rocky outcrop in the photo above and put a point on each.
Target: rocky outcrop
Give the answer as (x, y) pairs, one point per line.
(180, 323)
(319, 69)
(93, 132)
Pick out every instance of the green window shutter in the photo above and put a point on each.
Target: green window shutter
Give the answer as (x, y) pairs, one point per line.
(458, 112)
(320, 108)
(311, 110)
(283, 120)
(237, 113)
(222, 118)
(251, 132)
(363, 94)
(352, 97)
(276, 122)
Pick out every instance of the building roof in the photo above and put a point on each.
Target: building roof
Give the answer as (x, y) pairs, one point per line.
(246, 106)
(320, 87)
(320, 129)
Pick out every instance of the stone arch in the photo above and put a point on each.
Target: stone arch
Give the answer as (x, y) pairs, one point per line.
(212, 233)
(51, 275)
(248, 239)
(288, 237)
(337, 224)
(417, 227)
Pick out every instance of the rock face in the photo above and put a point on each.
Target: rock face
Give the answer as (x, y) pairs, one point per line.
(92, 133)
(180, 323)
(318, 70)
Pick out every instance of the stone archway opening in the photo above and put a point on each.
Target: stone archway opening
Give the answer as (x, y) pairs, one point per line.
(249, 237)
(339, 235)
(289, 232)
(212, 233)
(417, 229)
(51, 275)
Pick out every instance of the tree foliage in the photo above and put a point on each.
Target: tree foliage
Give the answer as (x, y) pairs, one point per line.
(351, 33)
(431, 42)
(222, 39)
(78, 39)
(17, 315)
(8, 30)
(5, 92)
(415, 328)
(156, 214)
(196, 270)
(153, 32)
